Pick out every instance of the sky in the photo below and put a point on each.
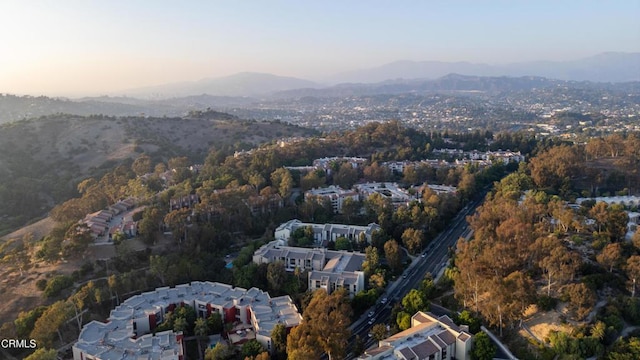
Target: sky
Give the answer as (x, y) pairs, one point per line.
(90, 47)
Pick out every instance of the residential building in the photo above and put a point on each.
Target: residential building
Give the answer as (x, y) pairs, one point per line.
(335, 194)
(183, 202)
(391, 191)
(630, 201)
(328, 269)
(325, 163)
(323, 233)
(429, 337)
(126, 334)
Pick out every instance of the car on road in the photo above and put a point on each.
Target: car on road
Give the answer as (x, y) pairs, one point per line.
(404, 276)
(384, 300)
(372, 321)
(371, 313)
(424, 254)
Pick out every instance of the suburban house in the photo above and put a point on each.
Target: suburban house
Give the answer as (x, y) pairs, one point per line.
(328, 269)
(335, 194)
(429, 337)
(127, 333)
(323, 233)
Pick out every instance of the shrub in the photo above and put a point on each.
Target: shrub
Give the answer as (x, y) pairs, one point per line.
(57, 284)
(41, 284)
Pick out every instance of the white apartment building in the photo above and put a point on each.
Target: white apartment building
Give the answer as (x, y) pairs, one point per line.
(429, 337)
(335, 194)
(328, 269)
(323, 233)
(391, 191)
(127, 333)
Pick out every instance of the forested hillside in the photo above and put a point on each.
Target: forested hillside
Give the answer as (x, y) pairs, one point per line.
(533, 252)
(42, 160)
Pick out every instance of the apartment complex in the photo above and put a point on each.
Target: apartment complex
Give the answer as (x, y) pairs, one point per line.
(323, 233)
(335, 194)
(328, 269)
(127, 333)
(429, 337)
(391, 191)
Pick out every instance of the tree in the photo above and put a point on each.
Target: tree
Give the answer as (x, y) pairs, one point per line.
(611, 256)
(159, 266)
(262, 356)
(342, 243)
(465, 318)
(283, 181)
(379, 332)
(43, 354)
(415, 301)
(346, 176)
(371, 260)
(26, 320)
(617, 220)
(377, 281)
(279, 341)
(325, 325)
(412, 239)
(276, 276)
(350, 208)
(560, 262)
(633, 272)
(581, 299)
(393, 255)
(141, 165)
(600, 214)
(50, 323)
(311, 180)
(302, 345)
(482, 348)
(150, 224)
(219, 352)
(214, 322)
(403, 319)
(180, 325)
(251, 348)
(201, 328)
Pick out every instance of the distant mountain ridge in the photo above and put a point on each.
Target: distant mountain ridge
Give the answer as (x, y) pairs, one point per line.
(241, 84)
(605, 67)
(453, 83)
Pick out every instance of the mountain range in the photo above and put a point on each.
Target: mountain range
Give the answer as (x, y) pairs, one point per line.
(606, 67)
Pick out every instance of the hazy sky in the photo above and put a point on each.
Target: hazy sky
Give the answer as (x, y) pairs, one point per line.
(68, 47)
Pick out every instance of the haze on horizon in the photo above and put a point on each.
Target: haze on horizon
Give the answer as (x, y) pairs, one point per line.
(78, 48)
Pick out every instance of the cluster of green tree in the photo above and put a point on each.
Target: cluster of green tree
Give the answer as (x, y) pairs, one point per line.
(251, 350)
(66, 240)
(416, 300)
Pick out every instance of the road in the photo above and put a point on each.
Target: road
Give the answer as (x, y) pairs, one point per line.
(434, 259)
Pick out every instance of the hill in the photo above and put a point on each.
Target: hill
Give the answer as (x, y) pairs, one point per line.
(605, 67)
(42, 159)
(491, 85)
(13, 108)
(242, 84)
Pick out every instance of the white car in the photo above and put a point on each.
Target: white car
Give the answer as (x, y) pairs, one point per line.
(372, 321)
(370, 313)
(384, 300)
